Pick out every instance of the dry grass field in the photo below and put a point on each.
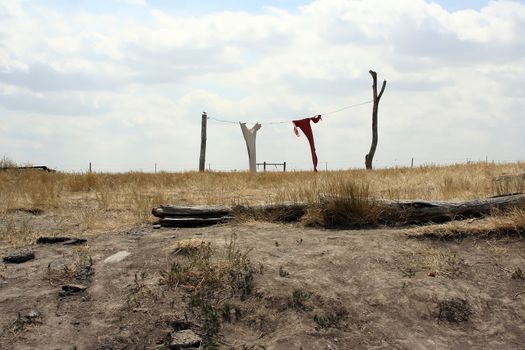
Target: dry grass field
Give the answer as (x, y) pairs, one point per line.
(95, 202)
(260, 285)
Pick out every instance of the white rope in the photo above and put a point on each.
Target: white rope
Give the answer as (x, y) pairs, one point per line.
(289, 120)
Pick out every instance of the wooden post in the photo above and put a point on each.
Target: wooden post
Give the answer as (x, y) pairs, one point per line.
(155, 168)
(412, 163)
(264, 166)
(89, 166)
(284, 167)
(202, 159)
(370, 156)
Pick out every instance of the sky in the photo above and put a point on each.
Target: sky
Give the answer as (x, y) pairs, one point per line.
(123, 83)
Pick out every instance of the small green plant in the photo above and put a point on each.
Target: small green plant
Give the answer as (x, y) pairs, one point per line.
(325, 321)
(517, 274)
(139, 292)
(283, 272)
(211, 326)
(231, 312)
(299, 300)
(331, 318)
(211, 280)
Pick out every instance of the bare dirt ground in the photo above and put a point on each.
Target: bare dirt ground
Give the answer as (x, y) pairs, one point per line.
(312, 289)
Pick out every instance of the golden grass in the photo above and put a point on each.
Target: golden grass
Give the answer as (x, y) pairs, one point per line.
(190, 246)
(500, 224)
(16, 232)
(102, 201)
(441, 262)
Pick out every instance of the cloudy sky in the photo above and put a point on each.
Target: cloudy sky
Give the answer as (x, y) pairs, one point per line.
(123, 83)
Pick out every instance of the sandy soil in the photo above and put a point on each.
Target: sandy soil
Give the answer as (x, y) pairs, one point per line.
(358, 289)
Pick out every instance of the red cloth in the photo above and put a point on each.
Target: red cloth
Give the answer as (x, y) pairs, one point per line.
(304, 125)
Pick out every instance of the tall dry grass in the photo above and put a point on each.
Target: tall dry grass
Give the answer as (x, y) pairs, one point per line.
(97, 201)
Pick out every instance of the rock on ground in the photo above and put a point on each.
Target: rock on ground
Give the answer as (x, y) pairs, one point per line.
(185, 339)
(19, 256)
(117, 257)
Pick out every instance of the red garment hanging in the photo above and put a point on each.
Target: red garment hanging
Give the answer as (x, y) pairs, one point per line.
(304, 125)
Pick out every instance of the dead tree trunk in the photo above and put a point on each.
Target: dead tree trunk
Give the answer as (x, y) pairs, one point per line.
(391, 212)
(202, 158)
(421, 212)
(370, 156)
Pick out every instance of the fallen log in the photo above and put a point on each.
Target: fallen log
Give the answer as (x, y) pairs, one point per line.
(406, 212)
(199, 211)
(192, 222)
(420, 212)
(281, 212)
(59, 239)
(19, 257)
(284, 212)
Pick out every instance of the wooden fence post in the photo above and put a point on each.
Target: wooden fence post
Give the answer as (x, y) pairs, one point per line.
(284, 167)
(202, 159)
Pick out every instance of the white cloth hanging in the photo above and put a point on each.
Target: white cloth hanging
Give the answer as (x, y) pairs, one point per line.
(249, 137)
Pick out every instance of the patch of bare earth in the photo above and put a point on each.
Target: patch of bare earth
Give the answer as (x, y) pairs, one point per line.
(312, 289)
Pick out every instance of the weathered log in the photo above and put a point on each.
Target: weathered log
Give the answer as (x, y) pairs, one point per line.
(389, 211)
(416, 212)
(19, 256)
(193, 222)
(287, 211)
(282, 212)
(199, 211)
(59, 239)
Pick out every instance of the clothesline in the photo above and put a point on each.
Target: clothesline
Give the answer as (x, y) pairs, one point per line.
(290, 120)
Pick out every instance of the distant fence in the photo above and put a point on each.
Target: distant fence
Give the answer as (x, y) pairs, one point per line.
(264, 164)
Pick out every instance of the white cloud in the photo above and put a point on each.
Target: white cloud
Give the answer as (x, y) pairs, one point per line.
(133, 2)
(139, 86)
(10, 8)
